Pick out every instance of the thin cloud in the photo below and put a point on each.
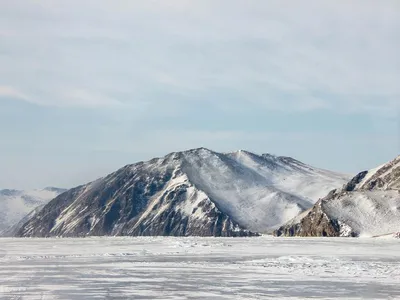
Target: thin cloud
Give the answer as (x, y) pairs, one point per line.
(70, 98)
(82, 97)
(11, 92)
(308, 56)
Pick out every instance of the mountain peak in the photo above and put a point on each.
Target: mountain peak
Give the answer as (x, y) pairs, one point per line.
(270, 156)
(54, 189)
(9, 192)
(180, 154)
(195, 150)
(384, 177)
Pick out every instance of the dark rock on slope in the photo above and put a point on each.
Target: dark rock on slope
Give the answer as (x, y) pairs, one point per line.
(369, 205)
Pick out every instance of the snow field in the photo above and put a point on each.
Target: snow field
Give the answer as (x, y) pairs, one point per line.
(200, 268)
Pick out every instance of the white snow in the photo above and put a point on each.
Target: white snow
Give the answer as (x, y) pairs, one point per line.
(293, 177)
(394, 165)
(260, 194)
(369, 175)
(200, 268)
(366, 212)
(194, 198)
(14, 205)
(370, 213)
(389, 168)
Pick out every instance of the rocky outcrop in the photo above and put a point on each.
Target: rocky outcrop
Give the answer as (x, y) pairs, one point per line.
(386, 177)
(315, 223)
(368, 205)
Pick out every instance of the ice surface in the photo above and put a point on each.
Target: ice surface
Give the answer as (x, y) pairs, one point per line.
(200, 268)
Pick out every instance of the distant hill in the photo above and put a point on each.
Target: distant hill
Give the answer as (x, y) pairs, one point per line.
(15, 204)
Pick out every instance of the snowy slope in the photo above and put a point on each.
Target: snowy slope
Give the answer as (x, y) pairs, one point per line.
(195, 192)
(385, 177)
(15, 205)
(292, 176)
(369, 205)
(13, 230)
(259, 192)
(367, 213)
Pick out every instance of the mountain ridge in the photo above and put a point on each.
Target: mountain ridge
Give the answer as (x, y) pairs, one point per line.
(193, 192)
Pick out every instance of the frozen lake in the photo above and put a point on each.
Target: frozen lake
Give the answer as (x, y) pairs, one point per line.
(199, 268)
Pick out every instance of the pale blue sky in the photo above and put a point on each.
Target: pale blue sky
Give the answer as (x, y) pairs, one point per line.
(89, 86)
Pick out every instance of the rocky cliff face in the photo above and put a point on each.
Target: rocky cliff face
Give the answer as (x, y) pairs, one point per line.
(314, 223)
(369, 205)
(197, 192)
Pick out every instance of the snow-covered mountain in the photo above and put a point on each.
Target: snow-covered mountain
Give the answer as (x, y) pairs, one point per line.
(15, 205)
(369, 205)
(195, 192)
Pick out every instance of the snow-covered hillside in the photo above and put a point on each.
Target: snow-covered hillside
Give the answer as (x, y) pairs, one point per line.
(369, 205)
(259, 192)
(195, 192)
(15, 205)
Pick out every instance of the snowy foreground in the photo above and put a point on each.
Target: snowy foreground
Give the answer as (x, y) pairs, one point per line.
(199, 268)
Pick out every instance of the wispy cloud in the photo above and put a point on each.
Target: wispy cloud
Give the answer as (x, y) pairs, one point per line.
(82, 97)
(132, 79)
(74, 97)
(11, 92)
(306, 56)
